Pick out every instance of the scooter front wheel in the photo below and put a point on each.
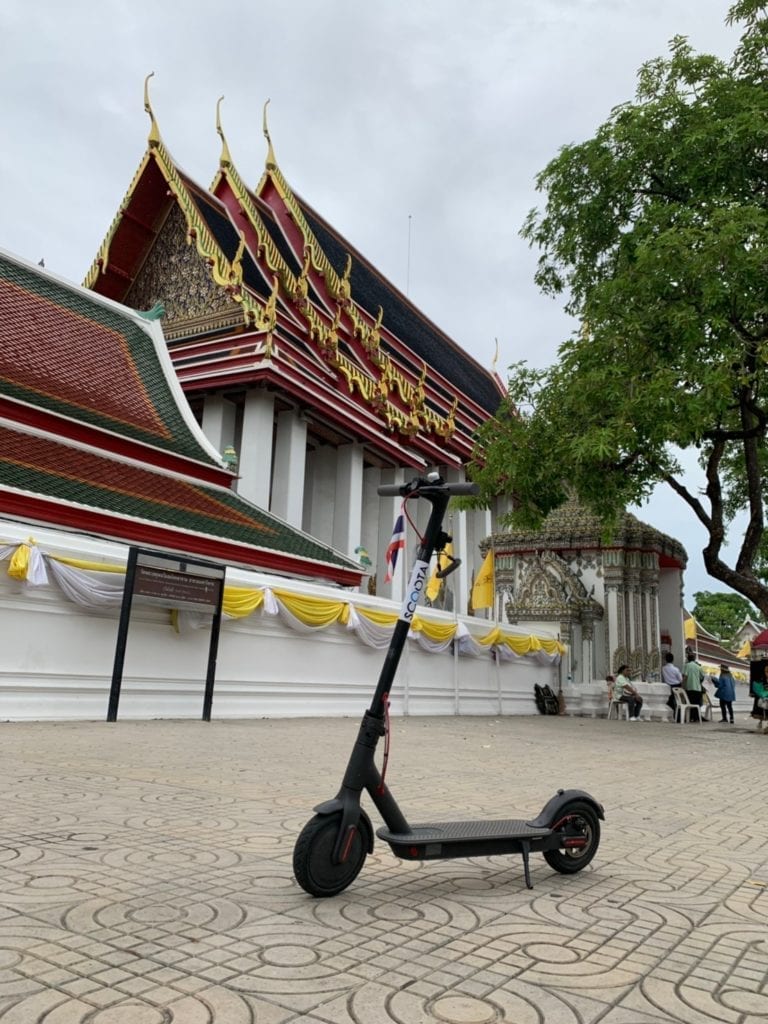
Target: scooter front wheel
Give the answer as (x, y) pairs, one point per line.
(313, 863)
(580, 826)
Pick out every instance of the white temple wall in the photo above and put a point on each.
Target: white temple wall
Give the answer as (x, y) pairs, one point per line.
(56, 660)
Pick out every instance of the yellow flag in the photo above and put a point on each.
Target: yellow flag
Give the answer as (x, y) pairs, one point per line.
(482, 591)
(690, 628)
(435, 583)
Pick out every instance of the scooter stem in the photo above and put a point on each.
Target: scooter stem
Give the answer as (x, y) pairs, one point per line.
(361, 772)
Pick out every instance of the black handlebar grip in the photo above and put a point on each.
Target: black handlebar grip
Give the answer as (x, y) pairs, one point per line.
(465, 488)
(413, 487)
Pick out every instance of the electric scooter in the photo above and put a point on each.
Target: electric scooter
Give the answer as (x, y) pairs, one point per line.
(331, 848)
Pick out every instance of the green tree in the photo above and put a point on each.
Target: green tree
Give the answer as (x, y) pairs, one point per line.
(721, 614)
(655, 232)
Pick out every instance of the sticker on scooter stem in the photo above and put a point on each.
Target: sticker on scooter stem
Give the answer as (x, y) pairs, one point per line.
(414, 591)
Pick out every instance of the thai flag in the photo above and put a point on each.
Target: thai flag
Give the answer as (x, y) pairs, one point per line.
(395, 545)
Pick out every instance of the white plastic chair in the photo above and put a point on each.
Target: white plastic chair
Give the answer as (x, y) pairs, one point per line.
(683, 707)
(621, 708)
(706, 707)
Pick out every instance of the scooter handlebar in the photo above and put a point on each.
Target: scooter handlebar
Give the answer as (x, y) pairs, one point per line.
(414, 486)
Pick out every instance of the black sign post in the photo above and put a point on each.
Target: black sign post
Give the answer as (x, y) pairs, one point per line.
(171, 581)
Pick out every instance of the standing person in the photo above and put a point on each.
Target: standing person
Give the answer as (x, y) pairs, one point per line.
(759, 690)
(624, 691)
(725, 691)
(693, 681)
(673, 677)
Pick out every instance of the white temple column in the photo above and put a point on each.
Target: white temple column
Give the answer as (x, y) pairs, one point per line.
(219, 421)
(388, 512)
(320, 493)
(369, 528)
(586, 669)
(613, 619)
(255, 456)
(290, 461)
(456, 526)
(348, 499)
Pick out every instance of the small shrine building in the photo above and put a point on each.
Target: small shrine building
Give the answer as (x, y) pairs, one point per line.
(611, 602)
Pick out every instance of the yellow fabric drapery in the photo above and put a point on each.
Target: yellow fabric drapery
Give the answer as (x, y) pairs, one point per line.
(310, 611)
(380, 618)
(238, 602)
(19, 565)
(80, 563)
(438, 631)
(313, 611)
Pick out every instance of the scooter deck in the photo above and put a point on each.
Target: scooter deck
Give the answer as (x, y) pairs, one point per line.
(442, 839)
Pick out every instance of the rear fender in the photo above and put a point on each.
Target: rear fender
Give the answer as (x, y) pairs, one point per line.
(553, 809)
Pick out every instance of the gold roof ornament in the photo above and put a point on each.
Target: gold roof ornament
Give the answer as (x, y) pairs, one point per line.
(236, 273)
(225, 159)
(448, 427)
(301, 291)
(154, 132)
(270, 309)
(271, 162)
(343, 291)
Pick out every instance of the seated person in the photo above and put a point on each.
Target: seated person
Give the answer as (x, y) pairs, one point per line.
(625, 693)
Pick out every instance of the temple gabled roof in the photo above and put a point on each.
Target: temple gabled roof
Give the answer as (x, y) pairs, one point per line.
(318, 324)
(96, 436)
(93, 363)
(573, 527)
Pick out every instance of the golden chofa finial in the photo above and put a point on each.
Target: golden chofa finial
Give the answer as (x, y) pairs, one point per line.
(154, 131)
(225, 160)
(271, 161)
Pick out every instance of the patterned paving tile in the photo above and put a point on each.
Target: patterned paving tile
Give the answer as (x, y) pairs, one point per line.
(145, 878)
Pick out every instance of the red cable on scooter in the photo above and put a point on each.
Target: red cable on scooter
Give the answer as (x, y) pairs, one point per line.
(385, 759)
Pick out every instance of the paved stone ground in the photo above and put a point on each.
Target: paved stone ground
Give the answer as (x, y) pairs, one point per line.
(146, 877)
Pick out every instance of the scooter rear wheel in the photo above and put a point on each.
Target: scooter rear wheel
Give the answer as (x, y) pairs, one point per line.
(579, 820)
(313, 865)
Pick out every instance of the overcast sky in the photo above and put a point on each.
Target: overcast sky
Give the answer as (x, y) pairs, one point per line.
(416, 128)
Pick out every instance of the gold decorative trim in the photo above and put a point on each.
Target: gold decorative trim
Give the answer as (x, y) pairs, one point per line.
(267, 247)
(201, 325)
(410, 421)
(225, 274)
(340, 289)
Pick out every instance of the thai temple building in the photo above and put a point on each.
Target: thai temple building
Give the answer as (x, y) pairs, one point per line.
(304, 366)
(232, 382)
(100, 455)
(96, 437)
(232, 385)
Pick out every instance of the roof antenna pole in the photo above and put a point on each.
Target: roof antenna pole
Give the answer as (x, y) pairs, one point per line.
(408, 265)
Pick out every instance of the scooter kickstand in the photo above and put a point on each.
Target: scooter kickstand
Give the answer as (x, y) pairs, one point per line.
(525, 849)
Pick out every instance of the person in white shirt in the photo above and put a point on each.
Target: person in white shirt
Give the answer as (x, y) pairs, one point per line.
(672, 676)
